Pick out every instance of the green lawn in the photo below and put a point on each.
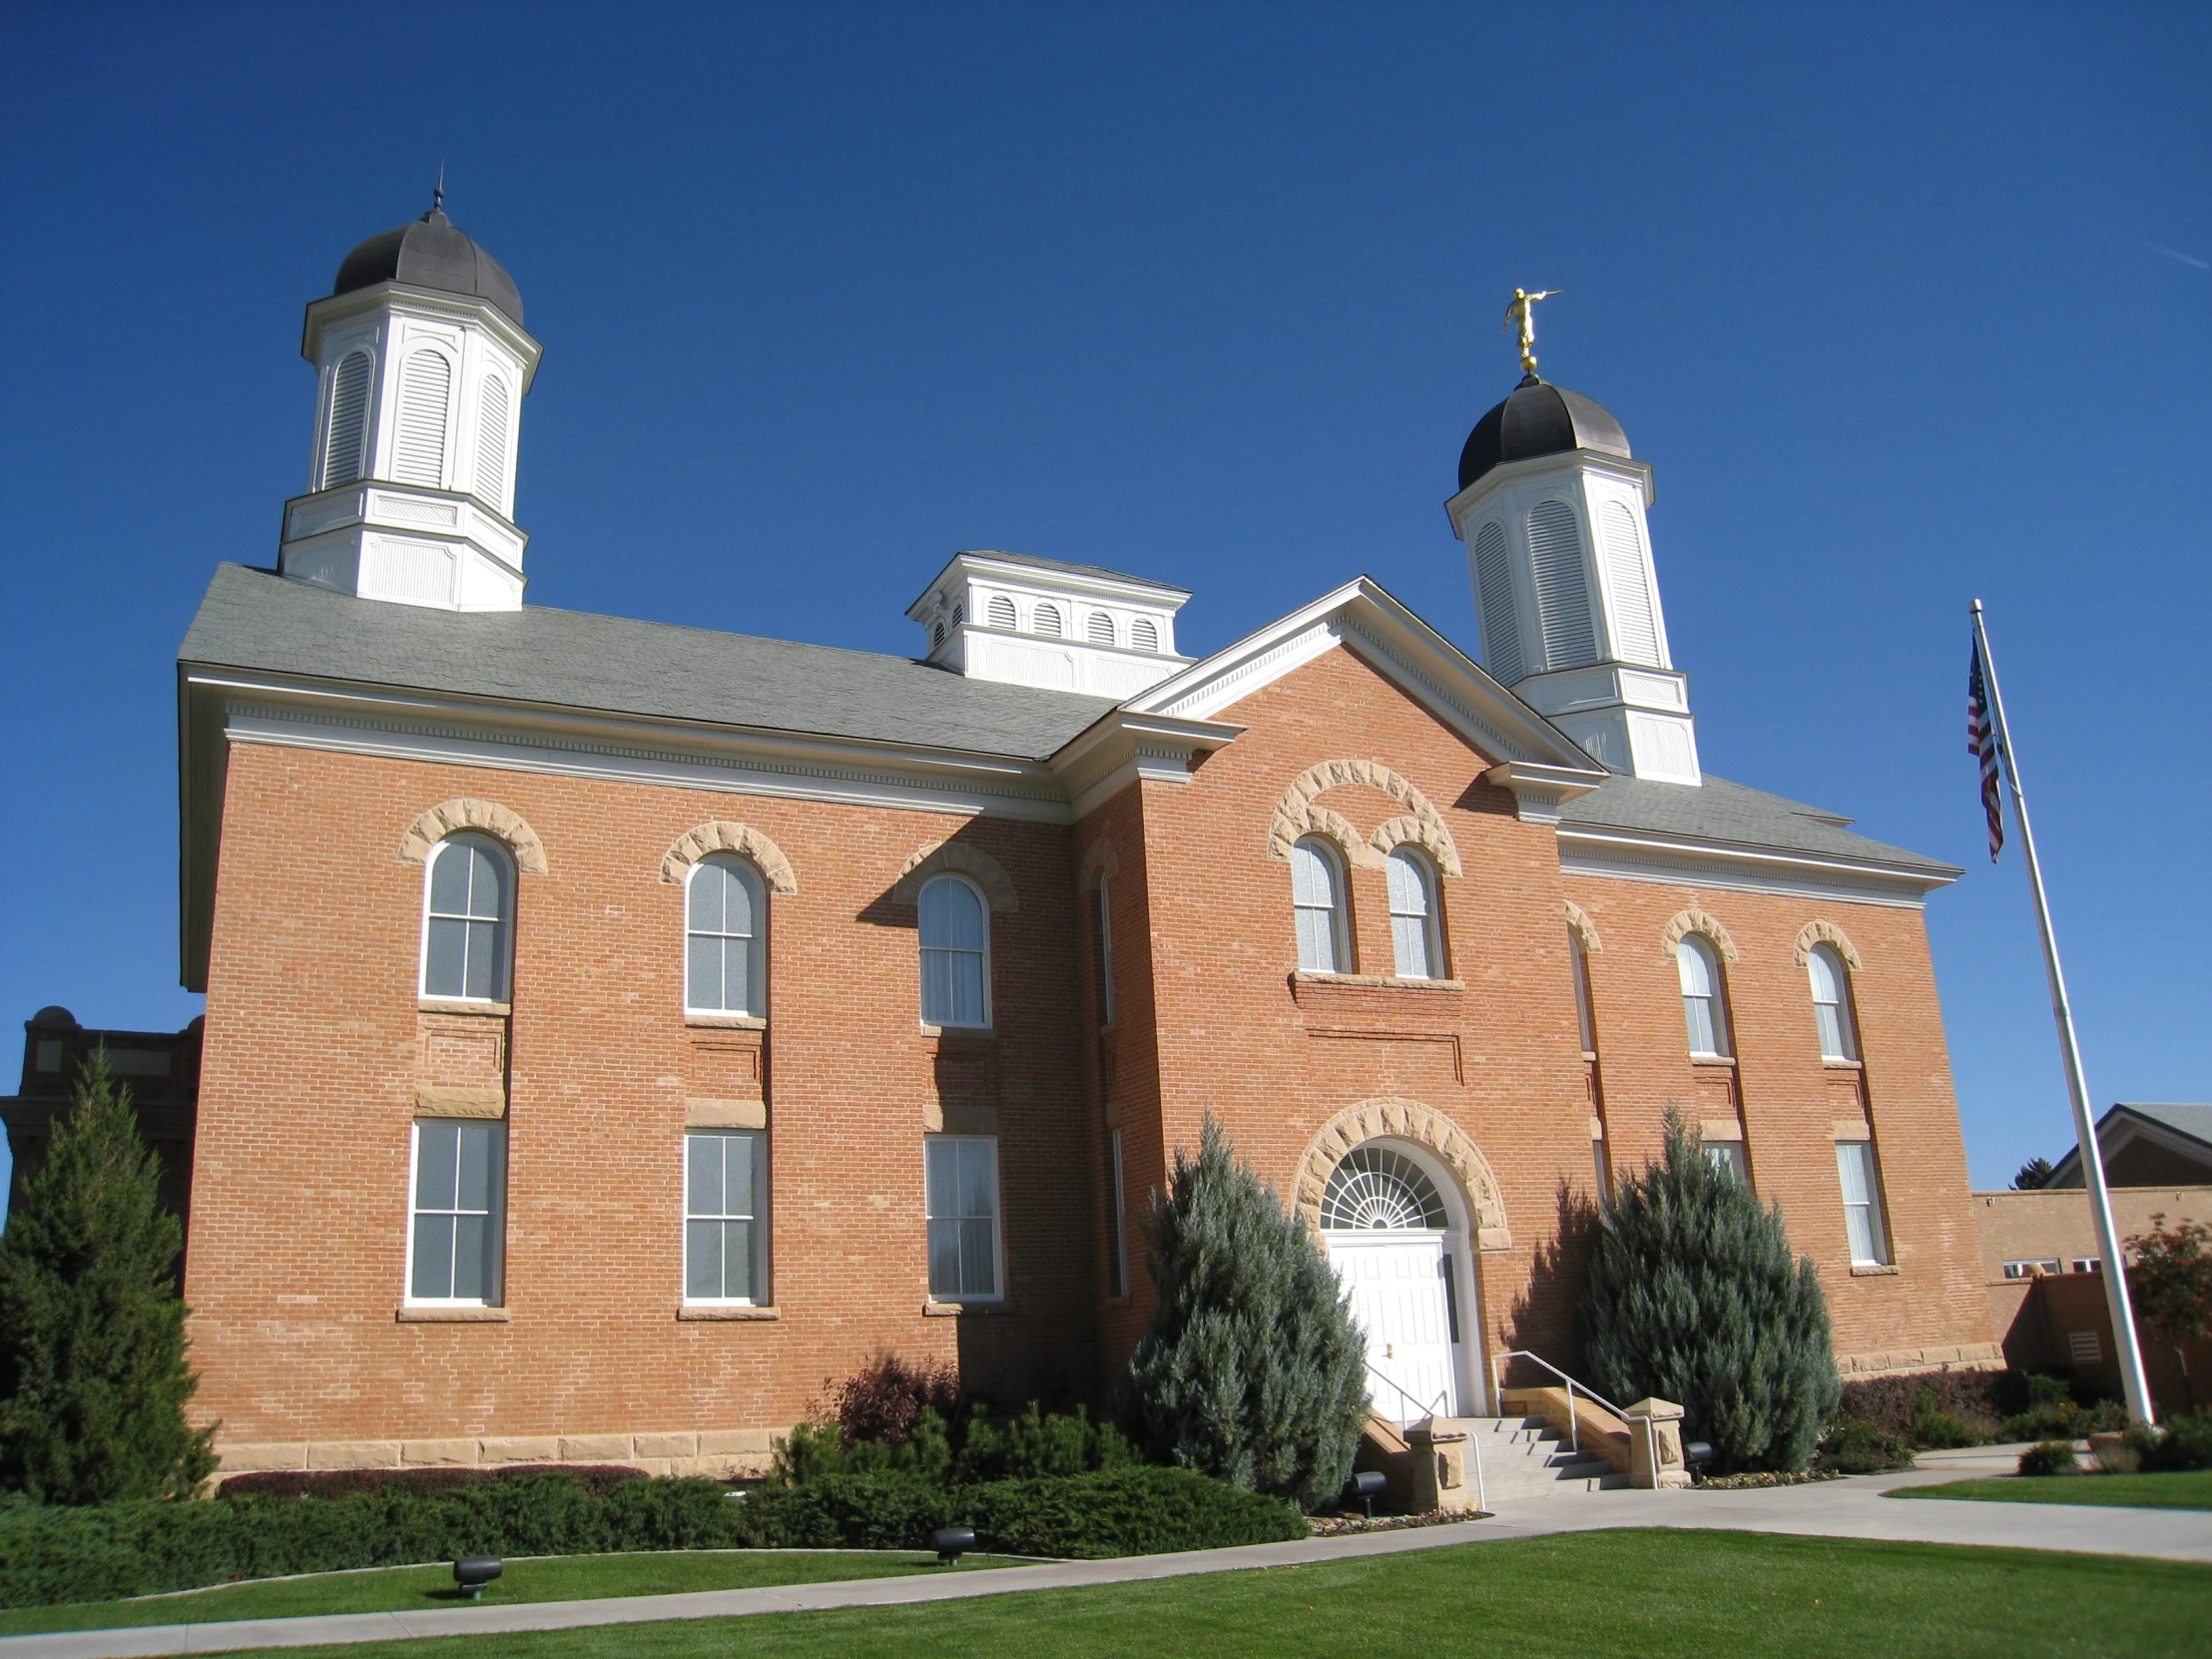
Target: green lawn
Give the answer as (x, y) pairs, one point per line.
(1597, 1595)
(555, 1579)
(2177, 1490)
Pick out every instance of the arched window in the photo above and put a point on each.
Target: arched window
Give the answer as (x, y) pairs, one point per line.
(1144, 634)
(1316, 896)
(955, 955)
(1585, 1021)
(1414, 931)
(1002, 612)
(725, 930)
(1376, 1187)
(341, 447)
(1562, 589)
(1832, 1004)
(1102, 628)
(1048, 620)
(1702, 1003)
(491, 445)
(425, 383)
(468, 918)
(1493, 583)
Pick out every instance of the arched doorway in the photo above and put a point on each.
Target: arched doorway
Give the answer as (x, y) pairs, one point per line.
(1396, 1228)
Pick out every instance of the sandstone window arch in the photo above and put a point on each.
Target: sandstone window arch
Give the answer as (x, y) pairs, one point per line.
(467, 812)
(1705, 925)
(1822, 931)
(724, 835)
(1297, 813)
(1583, 929)
(955, 858)
(1393, 1117)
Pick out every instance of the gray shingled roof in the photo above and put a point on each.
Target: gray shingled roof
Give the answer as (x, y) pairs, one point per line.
(256, 619)
(1729, 814)
(2193, 1121)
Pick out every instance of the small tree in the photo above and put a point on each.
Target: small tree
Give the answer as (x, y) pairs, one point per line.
(2034, 1176)
(2170, 1283)
(1693, 1296)
(1252, 1368)
(93, 1378)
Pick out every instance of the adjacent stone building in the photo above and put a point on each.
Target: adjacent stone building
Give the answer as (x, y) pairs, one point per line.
(615, 1029)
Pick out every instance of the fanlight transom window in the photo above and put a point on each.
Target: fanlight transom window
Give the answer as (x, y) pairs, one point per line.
(1376, 1187)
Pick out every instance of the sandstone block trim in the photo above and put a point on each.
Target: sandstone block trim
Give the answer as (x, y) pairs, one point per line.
(938, 858)
(452, 1316)
(460, 1100)
(714, 1312)
(1296, 814)
(468, 812)
(1820, 930)
(720, 1454)
(1583, 929)
(1406, 1120)
(702, 1113)
(1099, 859)
(1695, 921)
(723, 836)
(1897, 1362)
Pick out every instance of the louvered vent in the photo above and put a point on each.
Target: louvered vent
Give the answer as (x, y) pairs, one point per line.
(1144, 635)
(1562, 594)
(1002, 612)
(419, 456)
(491, 445)
(1048, 620)
(1101, 628)
(1638, 640)
(1493, 580)
(341, 455)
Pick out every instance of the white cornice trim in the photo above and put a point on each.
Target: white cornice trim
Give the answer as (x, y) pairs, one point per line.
(333, 310)
(1124, 748)
(1051, 583)
(1636, 855)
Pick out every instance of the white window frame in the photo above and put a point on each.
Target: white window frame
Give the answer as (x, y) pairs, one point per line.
(997, 1292)
(923, 949)
(1103, 957)
(2023, 1269)
(1715, 999)
(1429, 919)
(498, 1213)
(1585, 1016)
(759, 1219)
(503, 977)
(1840, 1011)
(1340, 933)
(1860, 1154)
(1121, 1215)
(757, 964)
(1730, 1156)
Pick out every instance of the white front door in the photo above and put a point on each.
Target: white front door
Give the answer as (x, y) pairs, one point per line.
(1396, 1281)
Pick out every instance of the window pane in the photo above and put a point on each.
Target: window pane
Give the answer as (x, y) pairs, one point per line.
(736, 1259)
(1823, 970)
(1851, 1165)
(1859, 1225)
(703, 1259)
(978, 1177)
(474, 1184)
(952, 916)
(1698, 1011)
(738, 1186)
(978, 1275)
(437, 1164)
(944, 1258)
(1696, 970)
(1408, 893)
(937, 987)
(967, 987)
(736, 901)
(943, 1185)
(705, 903)
(702, 1183)
(1409, 943)
(1313, 877)
(702, 973)
(1832, 1032)
(433, 1257)
(486, 876)
(472, 1257)
(1316, 941)
(483, 957)
(449, 879)
(444, 970)
(735, 980)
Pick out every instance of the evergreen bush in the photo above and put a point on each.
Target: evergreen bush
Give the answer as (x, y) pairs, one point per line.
(1855, 1447)
(93, 1377)
(971, 1451)
(1693, 1296)
(2049, 1457)
(2183, 1442)
(1252, 1368)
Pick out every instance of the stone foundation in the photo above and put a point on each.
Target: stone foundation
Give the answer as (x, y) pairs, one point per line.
(718, 1454)
(1902, 1362)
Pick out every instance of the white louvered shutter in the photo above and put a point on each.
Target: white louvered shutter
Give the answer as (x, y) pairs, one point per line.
(1637, 632)
(491, 445)
(341, 450)
(419, 456)
(1493, 579)
(1144, 635)
(1002, 612)
(1048, 620)
(1562, 594)
(1102, 628)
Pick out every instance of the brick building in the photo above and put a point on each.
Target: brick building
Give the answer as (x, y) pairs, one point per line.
(613, 1028)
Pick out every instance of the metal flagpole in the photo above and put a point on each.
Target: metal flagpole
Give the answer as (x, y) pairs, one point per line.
(2134, 1379)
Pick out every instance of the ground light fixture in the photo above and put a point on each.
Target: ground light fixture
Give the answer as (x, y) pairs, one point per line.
(473, 1573)
(951, 1542)
(1364, 1488)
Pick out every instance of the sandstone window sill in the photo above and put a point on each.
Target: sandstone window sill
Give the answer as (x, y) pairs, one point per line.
(964, 1310)
(453, 1315)
(1719, 1063)
(1377, 982)
(1843, 1065)
(463, 1005)
(1877, 1270)
(726, 1022)
(709, 1311)
(959, 1033)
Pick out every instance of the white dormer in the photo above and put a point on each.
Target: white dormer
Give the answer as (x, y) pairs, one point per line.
(1038, 622)
(1552, 507)
(421, 364)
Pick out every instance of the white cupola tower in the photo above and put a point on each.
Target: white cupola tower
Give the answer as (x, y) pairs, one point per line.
(1551, 506)
(1040, 622)
(422, 362)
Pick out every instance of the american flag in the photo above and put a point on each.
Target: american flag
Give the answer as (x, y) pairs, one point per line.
(1981, 743)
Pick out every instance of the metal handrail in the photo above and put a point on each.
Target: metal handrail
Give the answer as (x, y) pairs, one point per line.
(1574, 1425)
(1481, 1493)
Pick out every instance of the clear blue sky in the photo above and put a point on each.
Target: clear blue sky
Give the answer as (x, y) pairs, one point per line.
(1906, 305)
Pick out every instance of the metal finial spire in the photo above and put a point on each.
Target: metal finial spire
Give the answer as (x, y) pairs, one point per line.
(1520, 317)
(437, 195)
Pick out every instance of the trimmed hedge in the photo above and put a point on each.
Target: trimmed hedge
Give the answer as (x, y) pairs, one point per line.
(53, 1555)
(596, 1479)
(1976, 1399)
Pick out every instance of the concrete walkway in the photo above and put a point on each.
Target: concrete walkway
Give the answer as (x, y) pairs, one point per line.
(1835, 1509)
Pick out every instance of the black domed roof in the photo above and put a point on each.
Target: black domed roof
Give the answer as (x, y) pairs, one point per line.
(431, 253)
(1538, 418)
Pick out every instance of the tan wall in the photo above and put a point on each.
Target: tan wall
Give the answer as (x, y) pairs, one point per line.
(2055, 1223)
